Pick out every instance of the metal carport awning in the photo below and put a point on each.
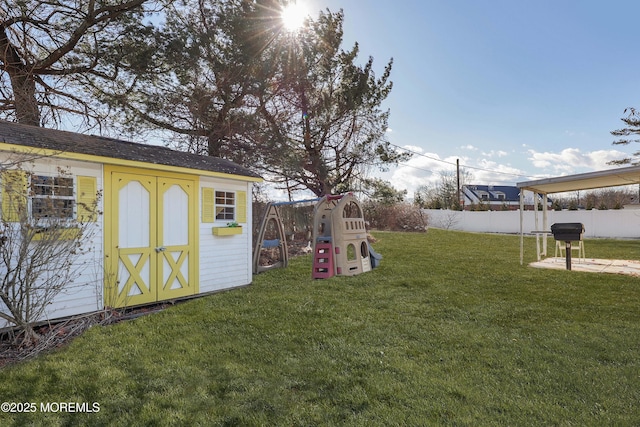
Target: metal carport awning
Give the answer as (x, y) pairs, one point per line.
(584, 181)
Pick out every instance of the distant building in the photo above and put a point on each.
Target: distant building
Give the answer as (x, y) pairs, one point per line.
(495, 198)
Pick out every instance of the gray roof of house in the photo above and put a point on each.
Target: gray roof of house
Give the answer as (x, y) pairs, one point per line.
(63, 141)
(511, 193)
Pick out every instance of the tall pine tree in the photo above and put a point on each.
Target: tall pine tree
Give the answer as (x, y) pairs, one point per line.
(226, 79)
(632, 127)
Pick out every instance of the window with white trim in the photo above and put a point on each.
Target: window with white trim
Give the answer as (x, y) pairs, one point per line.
(225, 205)
(51, 197)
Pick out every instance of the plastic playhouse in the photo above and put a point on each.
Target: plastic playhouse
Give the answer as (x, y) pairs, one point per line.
(340, 245)
(338, 232)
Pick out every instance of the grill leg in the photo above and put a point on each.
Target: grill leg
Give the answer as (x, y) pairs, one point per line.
(568, 254)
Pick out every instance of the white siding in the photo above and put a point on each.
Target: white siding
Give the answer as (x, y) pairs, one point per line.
(84, 294)
(225, 261)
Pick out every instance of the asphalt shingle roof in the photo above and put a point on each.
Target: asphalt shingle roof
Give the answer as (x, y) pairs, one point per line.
(511, 193)
(63, 141)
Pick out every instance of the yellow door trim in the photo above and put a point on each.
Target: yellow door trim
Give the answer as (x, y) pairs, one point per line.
(189, 183)
(148, 293)
(114, 297)
(189, 251)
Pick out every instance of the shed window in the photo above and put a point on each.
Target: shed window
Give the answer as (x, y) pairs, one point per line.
(225, 205)
(51, 197)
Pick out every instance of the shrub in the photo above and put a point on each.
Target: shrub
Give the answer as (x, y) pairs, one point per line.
(397, 217)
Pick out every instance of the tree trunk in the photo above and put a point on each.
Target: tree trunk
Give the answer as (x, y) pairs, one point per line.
(24, 92)
(215, 143)
(22, 83)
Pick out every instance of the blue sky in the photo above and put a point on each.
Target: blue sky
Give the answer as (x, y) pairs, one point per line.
(518, 89)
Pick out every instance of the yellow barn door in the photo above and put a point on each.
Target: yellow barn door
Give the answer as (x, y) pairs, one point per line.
(176, 237)
(151, 252)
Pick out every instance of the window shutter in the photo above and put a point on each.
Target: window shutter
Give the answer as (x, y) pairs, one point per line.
(208, 204)
(86, 198)
(241, 207)
(14, 195)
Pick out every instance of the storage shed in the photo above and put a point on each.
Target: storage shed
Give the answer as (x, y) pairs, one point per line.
(164, 230)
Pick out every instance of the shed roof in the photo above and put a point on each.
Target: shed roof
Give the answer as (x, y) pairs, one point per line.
(70, 142)
(584, 181)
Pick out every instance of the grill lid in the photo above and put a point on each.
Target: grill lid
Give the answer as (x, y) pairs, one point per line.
(567, 227)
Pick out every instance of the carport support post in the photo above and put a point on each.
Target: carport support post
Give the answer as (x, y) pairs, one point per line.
(545, 221)
(521, 226)
(536, 222)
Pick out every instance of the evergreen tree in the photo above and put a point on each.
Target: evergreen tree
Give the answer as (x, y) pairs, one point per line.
(632, 128)
(201, 83)
(230, 81)
(326, 125)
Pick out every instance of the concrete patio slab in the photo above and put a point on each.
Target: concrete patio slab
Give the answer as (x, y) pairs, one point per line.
(592, 265)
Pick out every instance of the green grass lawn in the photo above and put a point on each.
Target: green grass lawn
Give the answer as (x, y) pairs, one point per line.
(449, 330)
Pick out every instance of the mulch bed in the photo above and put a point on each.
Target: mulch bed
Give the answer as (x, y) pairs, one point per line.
(271, 256)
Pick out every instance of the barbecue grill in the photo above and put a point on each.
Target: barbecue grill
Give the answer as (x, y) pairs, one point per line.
(568, 232)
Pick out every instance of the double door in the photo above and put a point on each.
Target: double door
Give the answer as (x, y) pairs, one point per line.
(151, 255)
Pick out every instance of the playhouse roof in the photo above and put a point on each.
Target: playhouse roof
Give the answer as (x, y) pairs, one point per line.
(70, 142)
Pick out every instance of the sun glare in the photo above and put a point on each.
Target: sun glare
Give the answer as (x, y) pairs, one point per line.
(293, 16)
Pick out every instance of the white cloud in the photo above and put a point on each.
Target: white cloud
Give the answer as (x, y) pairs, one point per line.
(469, 147)
(427, 169)
(413, 148)
(570, 160)
(493, 173)
(495, 153)
(496, 167)
(419, 170)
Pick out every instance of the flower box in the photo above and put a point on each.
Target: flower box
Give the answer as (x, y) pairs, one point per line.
(226, 231)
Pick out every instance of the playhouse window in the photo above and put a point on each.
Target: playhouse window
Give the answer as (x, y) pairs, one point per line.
(52, 197)
(225, 205)
(352, 210)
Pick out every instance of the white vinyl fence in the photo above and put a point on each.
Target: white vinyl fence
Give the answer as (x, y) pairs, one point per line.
(622, 223)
